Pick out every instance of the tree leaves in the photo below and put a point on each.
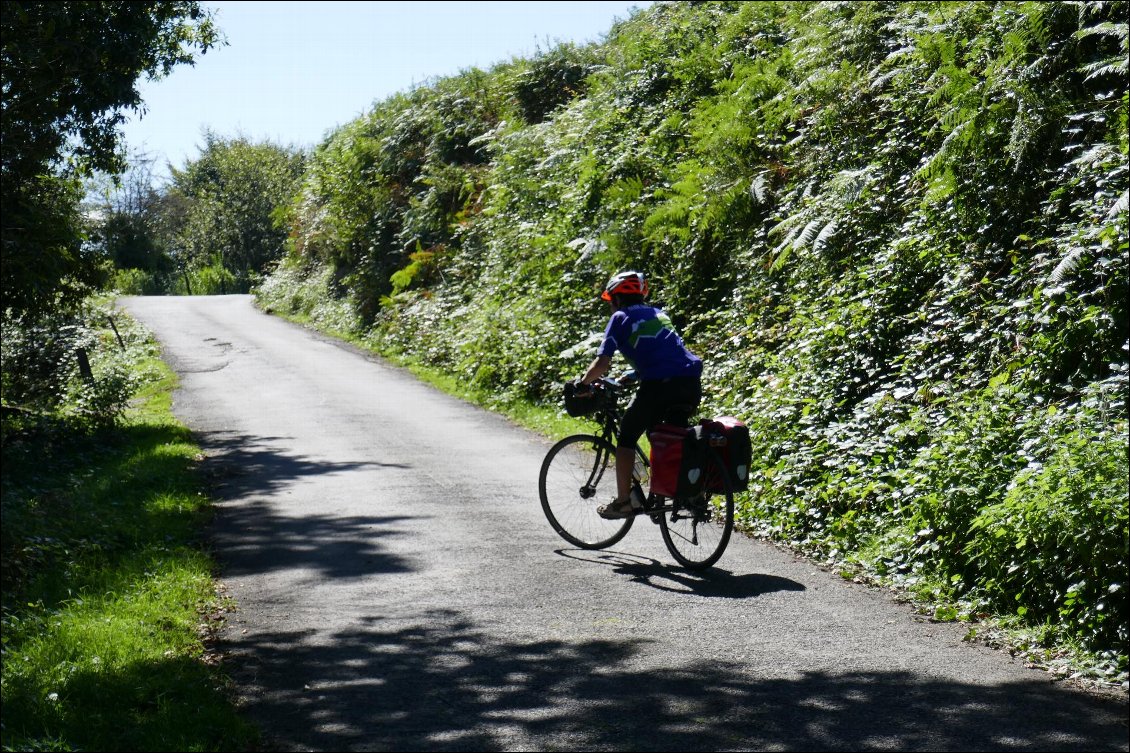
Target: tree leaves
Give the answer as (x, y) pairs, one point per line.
(69, 71)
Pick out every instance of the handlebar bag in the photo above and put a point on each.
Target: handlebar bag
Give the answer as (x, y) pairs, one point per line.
(676, 461)
(729, 437)
(581, 401)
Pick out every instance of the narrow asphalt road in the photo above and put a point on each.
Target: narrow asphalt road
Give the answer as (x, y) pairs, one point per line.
(399, 589)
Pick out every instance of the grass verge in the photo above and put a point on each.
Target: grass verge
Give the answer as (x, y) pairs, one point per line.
(108, 597)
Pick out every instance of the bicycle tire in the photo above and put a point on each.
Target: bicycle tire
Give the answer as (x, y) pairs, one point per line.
(578, 475)
(693, 531)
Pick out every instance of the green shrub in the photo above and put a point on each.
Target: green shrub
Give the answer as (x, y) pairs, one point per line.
(135, 282)
(550, 80)
(307, 293)
(42, 380)
(210, 279)
(1054, 548)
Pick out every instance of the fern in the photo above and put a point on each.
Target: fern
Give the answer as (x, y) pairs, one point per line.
(936, 168)
(791, 225)
(811, 234)
(759, 187)
(1120, 206)
(879, 80)
(847, 186)
(824, 235)
(1066, 266)
(1121, 32)
(1026, 125)
(1110, 67)
(807, 235)
(1114, 64)
(1098, 155)
(780, 256)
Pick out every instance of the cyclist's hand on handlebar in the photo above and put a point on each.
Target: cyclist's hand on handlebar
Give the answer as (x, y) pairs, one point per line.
(580, 388)
(628, 377)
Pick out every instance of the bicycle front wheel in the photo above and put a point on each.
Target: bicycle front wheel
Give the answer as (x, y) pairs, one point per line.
(577, 476)
(697, 530)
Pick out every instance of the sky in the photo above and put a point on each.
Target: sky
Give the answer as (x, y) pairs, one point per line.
(293, 71)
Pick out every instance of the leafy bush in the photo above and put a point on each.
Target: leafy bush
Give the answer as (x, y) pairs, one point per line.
(306, 293)
(43, 382)
(136, 282)
(38, 359)
(550, 80)
(1053, 547)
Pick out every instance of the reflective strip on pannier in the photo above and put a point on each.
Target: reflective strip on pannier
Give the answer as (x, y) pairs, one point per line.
(729, 437)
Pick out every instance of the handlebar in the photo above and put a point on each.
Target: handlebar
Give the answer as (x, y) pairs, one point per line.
(600, 397)
(613, 383)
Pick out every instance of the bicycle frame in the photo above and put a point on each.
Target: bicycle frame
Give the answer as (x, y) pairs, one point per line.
(608, 418)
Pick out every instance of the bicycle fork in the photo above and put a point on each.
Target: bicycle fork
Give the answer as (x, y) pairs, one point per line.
(588, 491)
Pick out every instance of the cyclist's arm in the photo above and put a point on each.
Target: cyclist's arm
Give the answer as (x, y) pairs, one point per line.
(598, 368)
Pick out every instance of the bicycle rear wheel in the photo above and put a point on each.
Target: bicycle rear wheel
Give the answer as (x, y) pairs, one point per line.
(697, 530)
(578, 475)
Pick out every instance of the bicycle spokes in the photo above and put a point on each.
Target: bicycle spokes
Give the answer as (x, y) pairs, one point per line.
(697, 530)
(580, 471)
(574, 477)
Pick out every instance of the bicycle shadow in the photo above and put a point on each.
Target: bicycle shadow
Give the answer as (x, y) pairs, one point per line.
(714, 583)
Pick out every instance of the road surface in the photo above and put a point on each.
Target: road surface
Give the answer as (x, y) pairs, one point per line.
(400, 589)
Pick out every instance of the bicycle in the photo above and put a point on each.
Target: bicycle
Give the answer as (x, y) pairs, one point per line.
(696, 530)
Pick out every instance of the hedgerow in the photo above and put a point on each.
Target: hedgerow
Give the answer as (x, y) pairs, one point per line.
(897, 231)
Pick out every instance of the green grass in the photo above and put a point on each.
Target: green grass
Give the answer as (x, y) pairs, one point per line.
(107, 591)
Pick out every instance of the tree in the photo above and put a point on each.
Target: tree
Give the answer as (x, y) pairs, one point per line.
(70, 71)
(128, 219)
(231, 195)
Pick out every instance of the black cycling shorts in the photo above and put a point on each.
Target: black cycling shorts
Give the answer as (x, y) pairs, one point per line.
(672, 400)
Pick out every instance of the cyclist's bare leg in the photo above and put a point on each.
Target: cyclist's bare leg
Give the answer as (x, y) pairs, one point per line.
(625, 462)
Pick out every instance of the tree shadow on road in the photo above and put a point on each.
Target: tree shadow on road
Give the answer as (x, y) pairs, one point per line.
(440, 683)
(436, 680)
(251, 535)
(237, 465)
(254, 538)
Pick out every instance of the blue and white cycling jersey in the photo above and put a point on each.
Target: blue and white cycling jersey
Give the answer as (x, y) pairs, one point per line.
(648, 340)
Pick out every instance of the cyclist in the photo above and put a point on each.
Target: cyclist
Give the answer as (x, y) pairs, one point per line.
(670, 376)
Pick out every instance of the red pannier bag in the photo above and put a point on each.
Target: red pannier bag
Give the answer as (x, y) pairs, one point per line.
(729, 437)
(676, 461)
